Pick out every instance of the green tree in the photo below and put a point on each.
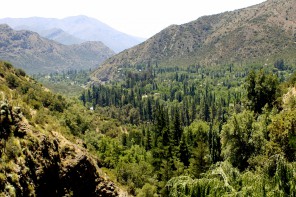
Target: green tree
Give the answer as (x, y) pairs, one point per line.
(200, 159)
(236, 138)
(215, 142)
(12, 81)
(261, 90)
(282, 131)
(177, 129)
(184, 151)
(147, 190)
(148, 142)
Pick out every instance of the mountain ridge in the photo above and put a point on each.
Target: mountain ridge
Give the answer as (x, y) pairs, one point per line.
(27, 50)
(81, 27)
(60, 36)
(249, 34)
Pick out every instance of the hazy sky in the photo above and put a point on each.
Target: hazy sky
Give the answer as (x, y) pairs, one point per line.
(142, 18)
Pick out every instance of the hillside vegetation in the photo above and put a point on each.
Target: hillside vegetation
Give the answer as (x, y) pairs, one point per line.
(260, 33)
(39, 154)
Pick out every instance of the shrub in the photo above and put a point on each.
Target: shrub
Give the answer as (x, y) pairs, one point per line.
(40, 117)
(13, 149)
(8, 65)
(10, 190)
(12, 81)
(35, 104)
(20, 72)
(147, 191)
(2, 181)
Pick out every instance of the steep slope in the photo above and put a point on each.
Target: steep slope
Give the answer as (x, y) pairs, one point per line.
(253, 33)
(27, 50)
(36, 158)
(81, 27)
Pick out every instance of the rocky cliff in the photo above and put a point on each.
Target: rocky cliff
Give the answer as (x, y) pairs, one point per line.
(45, 164)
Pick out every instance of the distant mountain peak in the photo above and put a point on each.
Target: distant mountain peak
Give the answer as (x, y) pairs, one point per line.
(79, 28)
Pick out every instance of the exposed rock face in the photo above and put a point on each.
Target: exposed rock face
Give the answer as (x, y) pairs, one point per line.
(46, 164)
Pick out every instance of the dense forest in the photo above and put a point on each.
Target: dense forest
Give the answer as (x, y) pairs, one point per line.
(199, 130)
(225, 130)
(68, 83)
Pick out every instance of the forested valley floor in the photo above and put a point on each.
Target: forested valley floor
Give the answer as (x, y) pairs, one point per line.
(223, 130)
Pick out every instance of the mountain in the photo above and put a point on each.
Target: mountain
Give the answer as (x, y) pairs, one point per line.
(80, 27)
(60, 36)
(27, 50)
(37, 158)
(42, 27)
(256, 33)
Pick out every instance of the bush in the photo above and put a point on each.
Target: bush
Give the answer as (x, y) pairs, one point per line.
(35, 104)
(147, 191)
(13, 148)
(8, 65)
(280, 64)
(2, 181)
(10, 190)
(12, 81)
(24, 88)
(40, 117)
(20, 72)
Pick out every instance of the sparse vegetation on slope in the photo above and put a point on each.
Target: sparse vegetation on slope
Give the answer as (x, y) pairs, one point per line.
(254, 34)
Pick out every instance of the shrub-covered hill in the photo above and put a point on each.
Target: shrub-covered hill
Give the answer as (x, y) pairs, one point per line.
(39, 156)
(256, 33)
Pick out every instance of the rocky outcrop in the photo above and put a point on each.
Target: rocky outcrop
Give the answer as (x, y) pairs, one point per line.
(36, 163)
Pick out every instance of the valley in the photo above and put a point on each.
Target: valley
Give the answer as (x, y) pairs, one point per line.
(206, 108)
